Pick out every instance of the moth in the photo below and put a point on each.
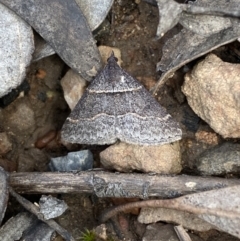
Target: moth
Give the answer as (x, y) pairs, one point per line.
(115, 106)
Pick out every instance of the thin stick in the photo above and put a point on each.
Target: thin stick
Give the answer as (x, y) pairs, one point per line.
(176, 204)
(35, 210)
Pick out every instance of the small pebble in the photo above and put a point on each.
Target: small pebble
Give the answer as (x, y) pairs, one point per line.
(9, 166)
(44, 140)
(51, 207)
(220, 160)
(41, 74)
(5, 144)
(123, 157)
(74, 161)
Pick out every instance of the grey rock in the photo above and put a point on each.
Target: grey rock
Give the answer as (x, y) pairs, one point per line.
(220, 160)
(76, 46)
(51, 207)
(160, 232)
(95, 11)
(15, 226)
(3, 193)
(74, 161)
(213, 92)
(205, 25)
(123, 157)
(16, 51)
(39, 231)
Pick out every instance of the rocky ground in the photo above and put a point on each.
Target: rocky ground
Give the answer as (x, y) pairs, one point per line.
(204, 97)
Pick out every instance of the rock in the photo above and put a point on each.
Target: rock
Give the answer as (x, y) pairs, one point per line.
(74, 161)
(19, 118)
(44, 140)
(5, 144)
(8, 166)
(105, 52)
(207, 136)
(187, 220)
(123, 157)
(147, 82)
(101, 231)
(51, 207)
(73, 86)
(16, 51)
(213, 92)
(220, 160)
(162, 232)
(14, 228)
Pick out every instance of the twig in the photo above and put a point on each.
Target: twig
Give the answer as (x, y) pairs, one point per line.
(176, 204)
(108, 184)
(181, 233)
(35, 210)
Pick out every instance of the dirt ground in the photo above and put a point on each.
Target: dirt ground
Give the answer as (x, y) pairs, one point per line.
(40, 111)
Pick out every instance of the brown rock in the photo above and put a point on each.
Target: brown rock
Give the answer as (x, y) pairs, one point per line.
(105, 52)
(41, 74)
(19, 117)
(213, 92)
(9, 166)
(73, 86)
(5, 144)
(44, 140)
(187, 220)
(207, 136)
(123, 157)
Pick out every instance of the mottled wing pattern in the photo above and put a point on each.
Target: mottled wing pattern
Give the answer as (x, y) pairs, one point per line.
(91, 122)
(116, 106)
(144, 121)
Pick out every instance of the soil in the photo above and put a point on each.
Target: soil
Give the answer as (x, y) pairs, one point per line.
(40, 110)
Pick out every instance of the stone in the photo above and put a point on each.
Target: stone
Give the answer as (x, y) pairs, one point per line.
(16, 52)
(51, 207)
(5, 144)
(220, 160)
(105, 52)
(207, 136)
(19, 117)
(212, 89)
(187, 220)
(8, 166)
(162, 232)
(123, 157)
(74, 161)
(73, 87)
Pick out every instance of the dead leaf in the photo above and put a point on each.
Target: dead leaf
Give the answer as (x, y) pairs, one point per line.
(224, 199)
(95, 11)
(219, 207)
(207, 27)
(62, 24)
(169, 15)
